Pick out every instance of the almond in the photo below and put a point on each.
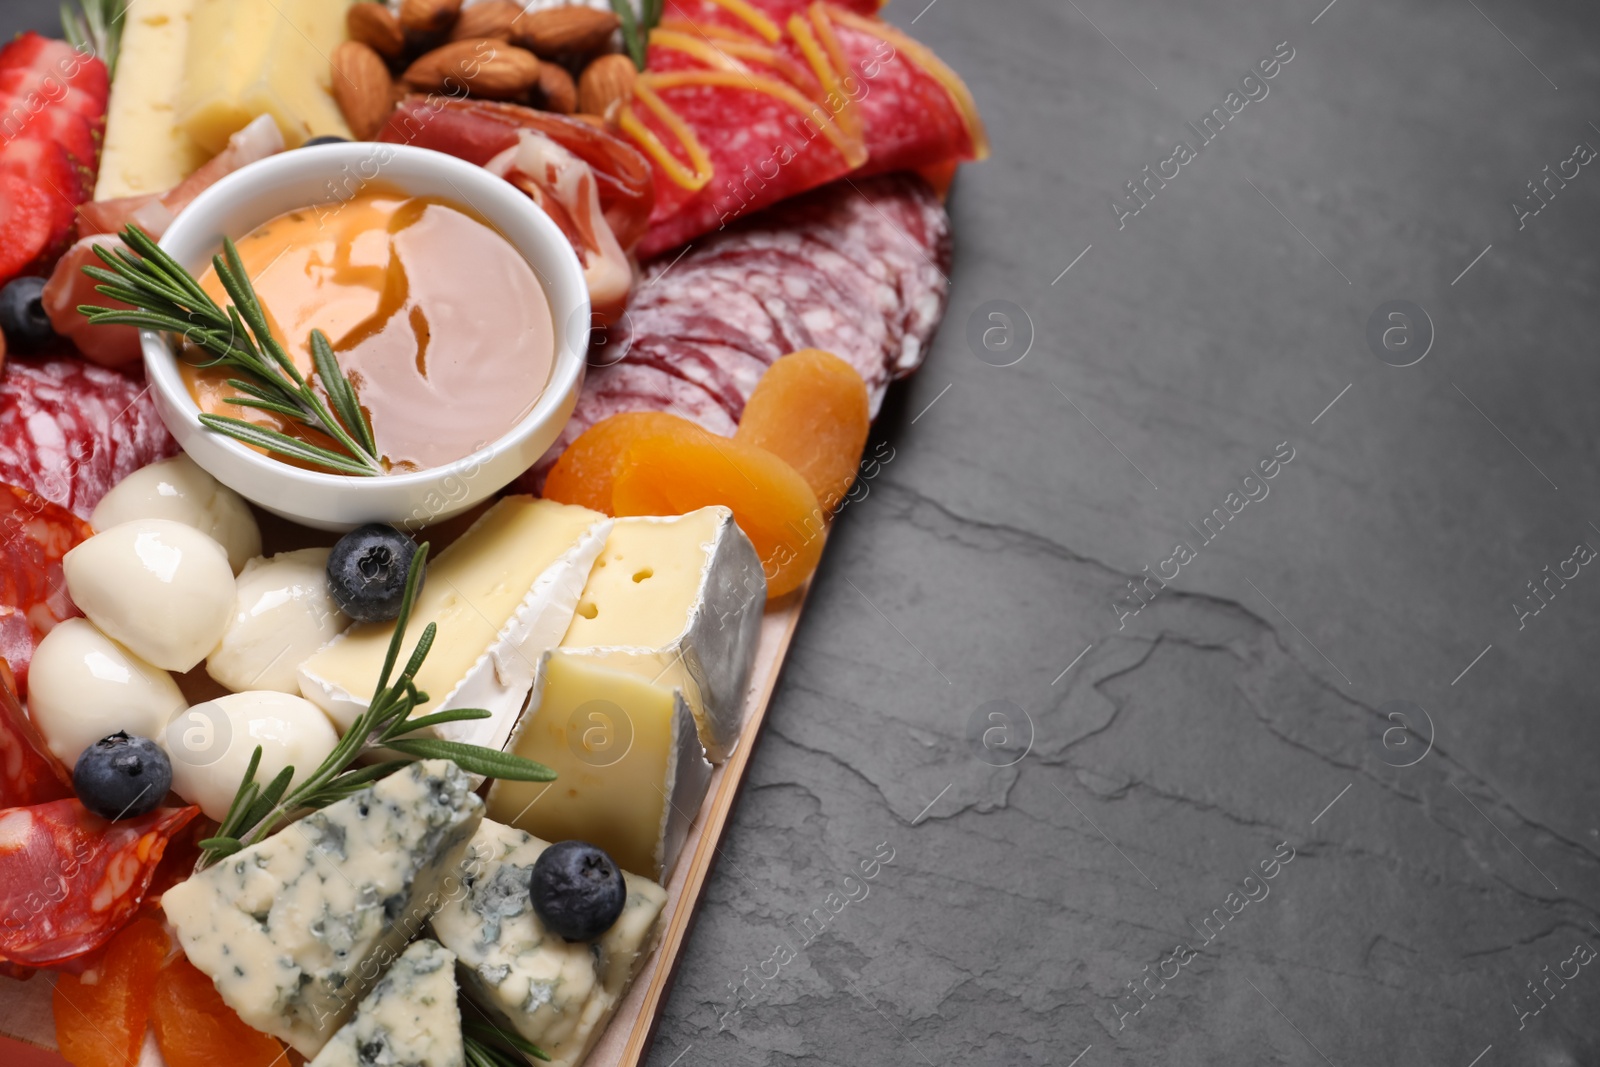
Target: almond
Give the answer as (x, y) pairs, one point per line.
(374, 26)
(361, 87)
(488, 18)
(605, 85)
(486, 67)
(561, 31)
(429, 16)
(556, 86)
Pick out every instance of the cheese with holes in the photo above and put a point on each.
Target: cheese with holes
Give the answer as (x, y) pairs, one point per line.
(501, 595)
(247, 58)
(630, 769)
(410, 1018)
(146, 150)
(556, 993)
(679, 600)
(296, 929)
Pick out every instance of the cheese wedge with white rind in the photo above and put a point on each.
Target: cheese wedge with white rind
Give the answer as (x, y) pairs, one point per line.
(501, 595)
(145, 150)
(679, 599)
(556, 993)
(411, 1017)
(247, 58)
(630, 770)
(296, 929)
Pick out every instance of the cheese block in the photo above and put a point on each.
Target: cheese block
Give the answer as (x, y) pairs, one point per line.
(247, 58)
(411, 1016)
(501, 595)
(558, 994)
(146, 150)
(630, 769)
(296, 929)
(679, 600)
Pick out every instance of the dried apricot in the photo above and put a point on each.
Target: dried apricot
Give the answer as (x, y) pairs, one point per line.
(103, 1024)
(583, 473)
(810, 410)
(196, 1029)
(676, 474)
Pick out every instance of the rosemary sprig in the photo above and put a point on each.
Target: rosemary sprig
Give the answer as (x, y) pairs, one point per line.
(636, 27)
(166, 297)
(485, 1045)
(384, 726)
(94, 27)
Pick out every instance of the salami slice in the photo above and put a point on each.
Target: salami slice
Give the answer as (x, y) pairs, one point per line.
(70, 431)
(856, 268)
(29, 774)
(34, 536)
(69, 879)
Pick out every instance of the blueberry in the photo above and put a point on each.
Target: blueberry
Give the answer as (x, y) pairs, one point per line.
(578, 891)
(22, 318)
(367, 572)
(122, 776)
(327, 138)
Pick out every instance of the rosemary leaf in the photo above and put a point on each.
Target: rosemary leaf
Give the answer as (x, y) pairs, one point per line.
(413, 586)
(632, 38)
(283, 444)
(341, 394)
(475, 758)
(411, 726)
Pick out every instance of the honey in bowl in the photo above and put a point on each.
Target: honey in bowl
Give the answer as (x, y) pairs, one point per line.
(441, 326)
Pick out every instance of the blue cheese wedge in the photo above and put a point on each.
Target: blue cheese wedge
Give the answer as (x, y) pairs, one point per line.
(296, 929)
(410, 1019)
(557, 994)
(501, 594)
(678, 600)
(630, 770)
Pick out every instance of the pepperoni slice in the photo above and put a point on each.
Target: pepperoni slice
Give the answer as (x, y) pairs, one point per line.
(34, 535)
(29, 774)
(69, 880)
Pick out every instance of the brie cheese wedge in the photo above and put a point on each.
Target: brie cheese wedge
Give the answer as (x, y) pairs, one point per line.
(501, 595)
(630, 769)
(678, 600)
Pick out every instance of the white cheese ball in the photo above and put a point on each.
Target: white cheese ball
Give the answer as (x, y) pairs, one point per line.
(83, 686)
(211, 743)
(179, 490)
(162, 589)
(282, 613)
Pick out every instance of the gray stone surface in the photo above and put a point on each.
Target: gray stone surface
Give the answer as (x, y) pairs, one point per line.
(1248, 705)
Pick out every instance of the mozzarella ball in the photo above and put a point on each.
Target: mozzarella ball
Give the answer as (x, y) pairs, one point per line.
(282, 613)
(161, 589)
(210, 745)
(178, 489)
(83, 686)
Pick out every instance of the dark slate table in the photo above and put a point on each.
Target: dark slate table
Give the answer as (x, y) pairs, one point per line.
(1320, 784)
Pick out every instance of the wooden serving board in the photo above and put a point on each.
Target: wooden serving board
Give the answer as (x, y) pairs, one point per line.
(27, 1027)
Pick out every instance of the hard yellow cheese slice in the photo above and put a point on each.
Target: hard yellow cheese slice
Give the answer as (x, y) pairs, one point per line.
(501, 595)
(261, 57)
(678, 600)
(146, 151)
(630, 770)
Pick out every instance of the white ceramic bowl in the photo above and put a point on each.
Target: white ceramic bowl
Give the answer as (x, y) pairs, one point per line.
(328, 175)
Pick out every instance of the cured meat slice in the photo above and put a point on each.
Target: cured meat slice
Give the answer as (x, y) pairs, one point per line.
(727, 143)
(857, 269)
(29, 774)
(69, 879)
(70, 431)
(888, 97)
(34, 536)
(912, 109)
